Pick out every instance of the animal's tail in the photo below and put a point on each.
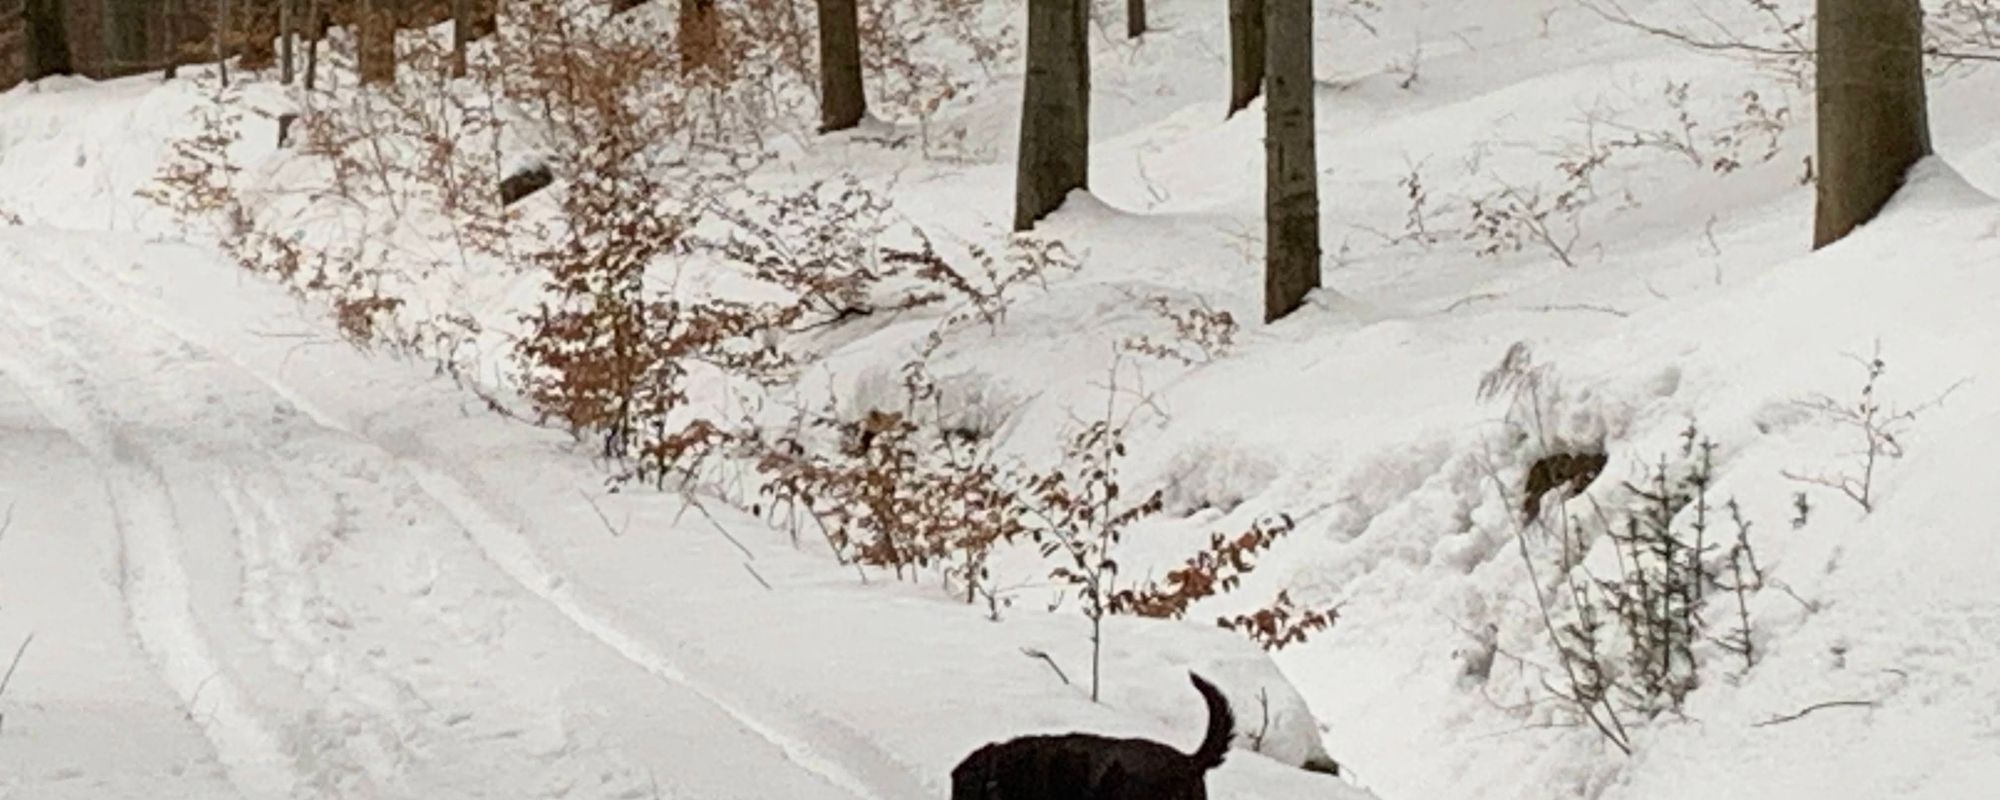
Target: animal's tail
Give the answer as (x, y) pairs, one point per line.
(1221, 726)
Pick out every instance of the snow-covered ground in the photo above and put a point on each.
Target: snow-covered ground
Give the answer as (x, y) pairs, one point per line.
(258, 563)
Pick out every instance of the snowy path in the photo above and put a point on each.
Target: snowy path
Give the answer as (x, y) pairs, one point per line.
(337, 620)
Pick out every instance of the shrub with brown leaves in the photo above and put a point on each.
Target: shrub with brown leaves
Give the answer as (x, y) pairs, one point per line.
(1281, 623)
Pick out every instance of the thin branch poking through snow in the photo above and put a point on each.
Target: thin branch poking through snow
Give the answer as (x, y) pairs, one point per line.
(688, 501)
(1043, 655)
(616, 531)
(13, 665)
(1815, 707)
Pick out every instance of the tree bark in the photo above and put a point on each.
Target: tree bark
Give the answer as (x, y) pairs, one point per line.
(843, 102)
(1246, 53)
(461, 35)
(1291, 170)
(221, 37)
(287, 29)
(170, 38)
(1873, 116)
(1135, 18)
(48, 39)
(1054, 157)
(316, 24)
(377, 41)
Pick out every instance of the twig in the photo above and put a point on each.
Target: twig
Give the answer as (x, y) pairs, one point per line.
(688, 501)
(1466, 301)
(1043, 655)
(1815, 707)
(15, 664)
(615, 530)
(760, 579)
(1584, 307)
(1263, 701)
(1797, 50)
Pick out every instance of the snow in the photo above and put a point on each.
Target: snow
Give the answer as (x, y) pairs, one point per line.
(258, 563)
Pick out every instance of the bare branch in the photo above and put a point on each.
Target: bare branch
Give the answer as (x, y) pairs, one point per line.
(1815, 707)
(1043, 655)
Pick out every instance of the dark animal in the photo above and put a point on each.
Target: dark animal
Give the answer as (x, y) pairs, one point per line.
(1082, 766)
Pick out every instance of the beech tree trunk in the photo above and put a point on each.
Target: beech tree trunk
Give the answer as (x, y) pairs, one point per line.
(843, 102)
(1246, 53)
(1055, 116)
(48, 39)
(1291, 170)
(1873, 117)
(316, 25)
(461, 35)
(221, 39)
(170, 38)
(287, 32)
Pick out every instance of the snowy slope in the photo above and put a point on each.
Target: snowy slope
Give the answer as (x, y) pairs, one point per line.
(257, 560)
(328, 561)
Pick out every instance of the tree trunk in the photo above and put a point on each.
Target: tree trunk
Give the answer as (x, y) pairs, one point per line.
(48, 39)
(1055, 110)
(1246, 53)
(1873, 118)
(287, 30)
(1135, 18)
(316, 25)
(377, 41)
(461, 35)
(170, 38)
(842, 100)
(221, 37)
(1291, 170)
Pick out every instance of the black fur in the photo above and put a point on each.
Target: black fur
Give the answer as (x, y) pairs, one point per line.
(1082, 766)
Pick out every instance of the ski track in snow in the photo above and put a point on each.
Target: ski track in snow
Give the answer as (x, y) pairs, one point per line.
(279, 593)
(153, 578)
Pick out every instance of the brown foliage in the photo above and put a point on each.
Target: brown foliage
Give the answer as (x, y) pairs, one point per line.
(1213, 571)
(1200, 334)
(1282, 623)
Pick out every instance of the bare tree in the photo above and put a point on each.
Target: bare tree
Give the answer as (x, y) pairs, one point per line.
(1246, 53)
(1291, 171)
(843, 102)
(1873, 117)
(221, 39)
(48, 39)
(1054, 156)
